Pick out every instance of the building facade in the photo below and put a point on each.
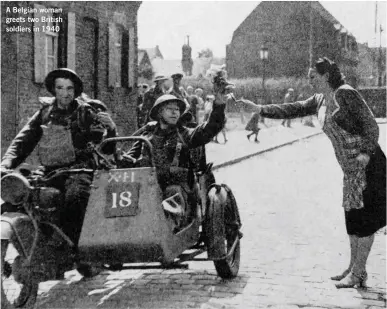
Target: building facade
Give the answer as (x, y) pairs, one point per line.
(295, 32)
(97, 39)
(372, 66)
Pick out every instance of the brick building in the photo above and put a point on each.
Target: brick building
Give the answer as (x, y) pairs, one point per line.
(372, 65)
(284, 28)
(97, 39)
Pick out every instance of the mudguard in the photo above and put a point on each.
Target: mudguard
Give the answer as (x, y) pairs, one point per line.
(214, 222)
(17, 225)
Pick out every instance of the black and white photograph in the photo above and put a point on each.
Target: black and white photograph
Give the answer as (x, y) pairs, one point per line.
(193, 154)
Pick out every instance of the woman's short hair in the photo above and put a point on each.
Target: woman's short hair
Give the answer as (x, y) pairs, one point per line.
(325, 65)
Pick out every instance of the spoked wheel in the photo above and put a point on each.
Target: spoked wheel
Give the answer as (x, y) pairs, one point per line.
(18, 289)
(222, 231)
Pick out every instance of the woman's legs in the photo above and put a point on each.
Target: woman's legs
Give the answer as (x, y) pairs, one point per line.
(363, 251)
(358, 273)
(353, 242)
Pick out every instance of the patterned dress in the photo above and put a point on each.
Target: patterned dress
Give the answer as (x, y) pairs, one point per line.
(349, 124)
(347, 148)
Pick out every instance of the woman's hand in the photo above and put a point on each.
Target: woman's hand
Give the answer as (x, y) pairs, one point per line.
(255, 107)
(363, 159)
(106, 120)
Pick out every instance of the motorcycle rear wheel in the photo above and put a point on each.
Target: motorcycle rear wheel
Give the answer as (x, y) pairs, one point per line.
(15, 292)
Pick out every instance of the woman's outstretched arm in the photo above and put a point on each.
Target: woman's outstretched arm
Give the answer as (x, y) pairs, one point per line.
(287, 110)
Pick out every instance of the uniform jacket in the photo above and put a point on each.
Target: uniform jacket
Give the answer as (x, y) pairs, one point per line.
(352, 114)
(164, 142)
(82, 121)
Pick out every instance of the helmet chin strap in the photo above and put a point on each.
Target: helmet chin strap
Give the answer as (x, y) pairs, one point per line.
(164, 124)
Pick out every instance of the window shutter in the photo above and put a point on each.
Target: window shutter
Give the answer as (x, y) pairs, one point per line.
(131, 55)
(112, 55)
(39, 47)
(71, 50)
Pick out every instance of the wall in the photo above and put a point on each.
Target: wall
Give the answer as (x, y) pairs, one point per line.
(19, 90)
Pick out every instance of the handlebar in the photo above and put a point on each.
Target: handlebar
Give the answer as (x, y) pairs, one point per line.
(130, 138)
(54, 174)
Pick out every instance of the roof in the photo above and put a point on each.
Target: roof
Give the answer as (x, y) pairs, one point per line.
(153, 53)
(141, 54)
(316, 6)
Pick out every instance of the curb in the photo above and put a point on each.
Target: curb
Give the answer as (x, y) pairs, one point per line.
(237, 160)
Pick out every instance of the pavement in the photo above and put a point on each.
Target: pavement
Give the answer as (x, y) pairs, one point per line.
(239, 148)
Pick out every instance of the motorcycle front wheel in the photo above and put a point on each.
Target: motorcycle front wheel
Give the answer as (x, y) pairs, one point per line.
(18, 289)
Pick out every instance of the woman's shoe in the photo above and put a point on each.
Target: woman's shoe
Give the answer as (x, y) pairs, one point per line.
(342, 276)
(248, 137)
(352, 280)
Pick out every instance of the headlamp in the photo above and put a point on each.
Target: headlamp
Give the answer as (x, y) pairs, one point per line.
(15, 189)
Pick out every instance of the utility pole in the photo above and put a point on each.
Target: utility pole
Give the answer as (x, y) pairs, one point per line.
(380, 58)
(374, 55)
(310, 35)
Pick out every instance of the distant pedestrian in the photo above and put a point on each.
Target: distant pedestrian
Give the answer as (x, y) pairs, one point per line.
(228, 91)
(208, 106)
(252, 126)
(177, 90)
(190, 90)
(199, 94)
(153, 94)
(142, 89)
(193, 101)
(289, 98)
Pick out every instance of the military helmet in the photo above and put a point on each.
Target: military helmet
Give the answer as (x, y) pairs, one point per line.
(63, 73)
(166, 98)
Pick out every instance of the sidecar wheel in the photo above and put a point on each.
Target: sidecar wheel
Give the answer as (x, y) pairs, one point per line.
(222, 229)
(17, 291)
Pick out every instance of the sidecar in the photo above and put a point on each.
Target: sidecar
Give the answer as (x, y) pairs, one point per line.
(127, 221)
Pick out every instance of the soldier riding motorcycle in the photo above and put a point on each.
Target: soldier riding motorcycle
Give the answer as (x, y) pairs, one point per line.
(43, 211)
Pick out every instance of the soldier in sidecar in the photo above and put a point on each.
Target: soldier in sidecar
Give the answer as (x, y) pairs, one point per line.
(159, 202)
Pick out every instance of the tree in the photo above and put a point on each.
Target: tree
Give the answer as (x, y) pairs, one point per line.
(206, 53)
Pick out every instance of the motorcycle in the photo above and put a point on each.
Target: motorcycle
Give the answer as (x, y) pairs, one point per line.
(128, 220)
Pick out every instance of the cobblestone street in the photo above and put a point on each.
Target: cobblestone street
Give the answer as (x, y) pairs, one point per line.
(294, 240)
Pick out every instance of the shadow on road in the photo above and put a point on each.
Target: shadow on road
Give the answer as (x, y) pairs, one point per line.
(131, 289)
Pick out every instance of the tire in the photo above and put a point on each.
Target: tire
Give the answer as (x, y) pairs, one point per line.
(20, 292)
(221, 228)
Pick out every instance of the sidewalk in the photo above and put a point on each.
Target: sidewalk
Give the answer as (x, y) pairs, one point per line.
(239, 148)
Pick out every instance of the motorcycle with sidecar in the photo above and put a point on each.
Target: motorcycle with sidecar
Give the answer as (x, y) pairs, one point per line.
(128, 220)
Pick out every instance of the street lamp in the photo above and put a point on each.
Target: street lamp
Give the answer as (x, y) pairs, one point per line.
(264, 55)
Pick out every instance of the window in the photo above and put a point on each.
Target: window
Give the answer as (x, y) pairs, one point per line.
(47, 31)
(118, 55)
(51, 46)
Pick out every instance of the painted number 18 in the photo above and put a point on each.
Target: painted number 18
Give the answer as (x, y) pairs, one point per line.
(124, 199)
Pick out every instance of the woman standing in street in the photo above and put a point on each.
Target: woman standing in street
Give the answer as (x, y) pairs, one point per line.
(350, 125)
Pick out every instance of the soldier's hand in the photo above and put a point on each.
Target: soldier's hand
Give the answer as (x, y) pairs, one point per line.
(106, 120)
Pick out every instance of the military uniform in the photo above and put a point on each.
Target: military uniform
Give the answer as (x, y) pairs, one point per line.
(61, 138)
(150, 98)
(171, 147)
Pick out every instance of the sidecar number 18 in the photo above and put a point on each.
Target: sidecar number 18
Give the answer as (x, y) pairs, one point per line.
(122, 199)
